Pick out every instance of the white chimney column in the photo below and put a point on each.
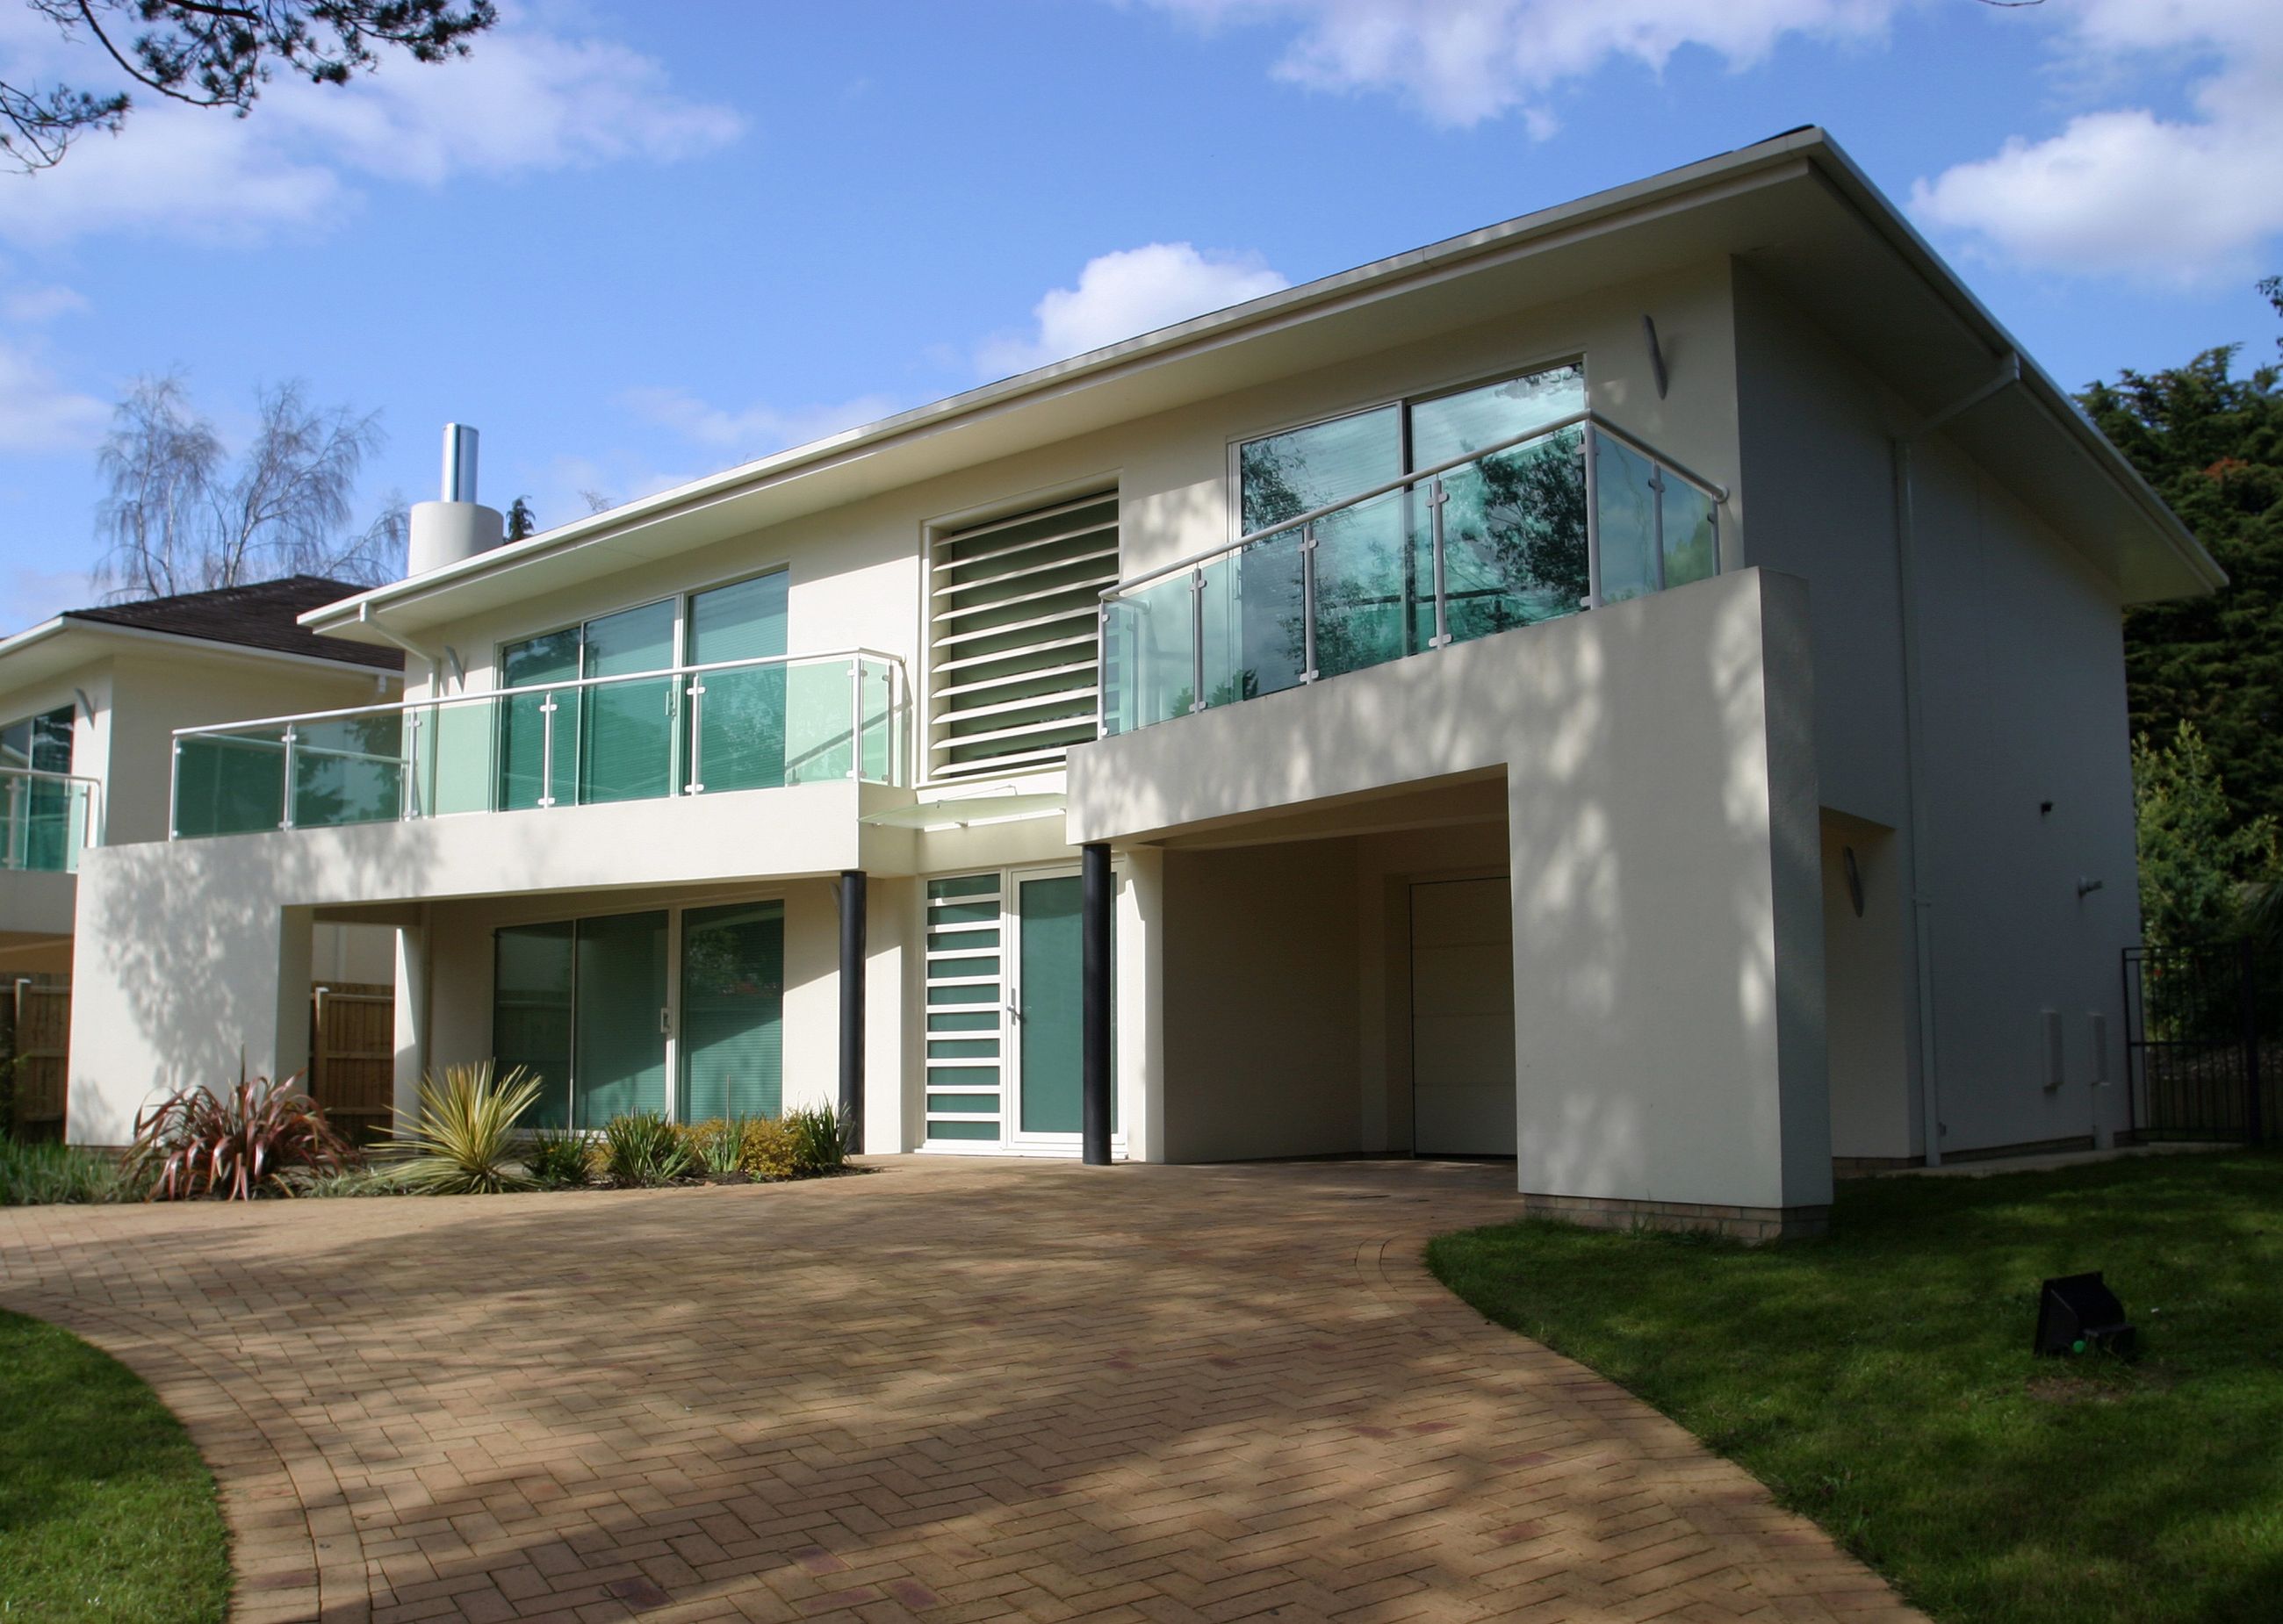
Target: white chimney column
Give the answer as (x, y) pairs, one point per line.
(457, 527)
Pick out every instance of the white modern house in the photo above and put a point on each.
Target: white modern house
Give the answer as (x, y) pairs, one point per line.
(88, 703)
(1636, 689)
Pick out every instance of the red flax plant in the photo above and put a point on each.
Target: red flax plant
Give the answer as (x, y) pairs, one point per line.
(232, 1144)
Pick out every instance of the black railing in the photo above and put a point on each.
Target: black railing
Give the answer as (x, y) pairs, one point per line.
(2203, 1041)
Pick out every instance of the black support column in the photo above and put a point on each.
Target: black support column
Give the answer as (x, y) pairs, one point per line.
(851, 1008)
(1093, 931)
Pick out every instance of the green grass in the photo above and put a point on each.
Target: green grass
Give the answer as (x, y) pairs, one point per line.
(1879, 1380)
(106, 1511)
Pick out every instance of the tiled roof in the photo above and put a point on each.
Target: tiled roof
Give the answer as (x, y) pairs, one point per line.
(259, 615)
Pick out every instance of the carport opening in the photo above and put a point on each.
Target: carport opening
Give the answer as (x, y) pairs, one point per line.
(1339, 981)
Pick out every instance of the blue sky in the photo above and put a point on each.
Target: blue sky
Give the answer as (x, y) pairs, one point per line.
(636, 244)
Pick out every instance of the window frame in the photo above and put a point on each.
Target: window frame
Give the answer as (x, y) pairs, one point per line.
(1403, 403)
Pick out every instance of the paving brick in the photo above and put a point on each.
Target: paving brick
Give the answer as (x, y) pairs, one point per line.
(952, 1391)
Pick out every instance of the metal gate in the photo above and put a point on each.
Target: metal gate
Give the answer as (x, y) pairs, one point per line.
(37, 1053)
(2203, 1041)
(352, 1057)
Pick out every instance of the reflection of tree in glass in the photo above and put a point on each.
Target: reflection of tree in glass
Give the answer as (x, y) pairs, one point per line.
(1519, 557)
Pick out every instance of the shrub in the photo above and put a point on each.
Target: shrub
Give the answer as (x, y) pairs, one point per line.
(766, 1149)
(347, 1182)
(817, 1148)
(558, 1159)
(716, 1147)
(234, 1144)
(47, 1175)
(463, 1141)
(642, 1148)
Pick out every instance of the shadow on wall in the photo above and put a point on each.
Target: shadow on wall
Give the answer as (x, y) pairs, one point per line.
(1637, 742)
(187, 959)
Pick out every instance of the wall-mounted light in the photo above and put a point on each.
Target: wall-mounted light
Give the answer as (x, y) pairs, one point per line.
(1655, 354)
(2086, 885)
(1854, 879)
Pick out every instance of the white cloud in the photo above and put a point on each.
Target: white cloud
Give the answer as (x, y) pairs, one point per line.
(1460, 62)
(38, 413)
(526, 99)
(755, 430)
(1132, 291)
(2125, 189)
(32, 307)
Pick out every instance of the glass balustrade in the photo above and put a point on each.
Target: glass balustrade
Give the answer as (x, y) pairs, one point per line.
(46, 820)
(748, 725)
(1568, 517)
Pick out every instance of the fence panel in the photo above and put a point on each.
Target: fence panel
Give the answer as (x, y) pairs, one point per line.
(2204, 1041)
(353, 1056)
(40, 1044)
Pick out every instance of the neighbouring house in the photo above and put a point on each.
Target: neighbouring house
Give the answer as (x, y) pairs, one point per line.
(1636, 689)
(88, 703)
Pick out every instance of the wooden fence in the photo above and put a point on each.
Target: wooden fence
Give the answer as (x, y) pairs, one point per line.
(353, 1056)
(38, 1046)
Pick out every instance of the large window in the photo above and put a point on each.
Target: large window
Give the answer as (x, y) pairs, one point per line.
(36, 815)
(631, 740)
(1514, 531)
(588, 1007)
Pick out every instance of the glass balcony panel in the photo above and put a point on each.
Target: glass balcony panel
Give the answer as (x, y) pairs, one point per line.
(1514, 536)
(42, 822)
(820, 723)
(627, 741)
(1626, 521)
(875, 703)
(1148, 654)
(456, 755)
(1255, 639)
(231, 783)
(1369, 587)
(527, 718)
(741, 728)
(349, 769)
(1691, 536)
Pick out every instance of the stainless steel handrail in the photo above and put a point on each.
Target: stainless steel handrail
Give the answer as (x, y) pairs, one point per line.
(15, 778)
(1712, 488)
(400, 707)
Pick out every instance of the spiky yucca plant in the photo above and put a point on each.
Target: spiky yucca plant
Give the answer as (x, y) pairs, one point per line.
(463, 1139)
(234, 1143)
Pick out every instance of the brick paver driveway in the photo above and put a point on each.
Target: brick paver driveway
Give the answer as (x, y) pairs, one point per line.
(948, 1390)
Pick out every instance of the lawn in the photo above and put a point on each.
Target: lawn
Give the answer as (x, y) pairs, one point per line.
(1879, 1380)
(106, 1511)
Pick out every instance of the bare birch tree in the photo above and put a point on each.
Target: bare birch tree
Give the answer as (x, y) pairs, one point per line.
(178, 516)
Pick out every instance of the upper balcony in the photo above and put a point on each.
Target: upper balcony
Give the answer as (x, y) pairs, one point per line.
(685, 730)
(1573, 515)
(47, 819)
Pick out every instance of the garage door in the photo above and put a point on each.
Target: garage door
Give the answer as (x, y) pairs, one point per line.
(1463, 1018)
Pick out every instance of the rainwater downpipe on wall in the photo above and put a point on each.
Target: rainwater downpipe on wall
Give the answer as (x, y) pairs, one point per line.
(2009, 373)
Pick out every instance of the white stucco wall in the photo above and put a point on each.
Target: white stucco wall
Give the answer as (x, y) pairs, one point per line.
(2022, 701)
(1661, 834)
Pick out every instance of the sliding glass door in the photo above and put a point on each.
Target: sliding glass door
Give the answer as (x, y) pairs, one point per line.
(732, 1042)
(591, 1007)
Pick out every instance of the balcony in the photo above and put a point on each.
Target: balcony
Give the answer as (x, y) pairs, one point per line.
(1571, 517)
(758, 724)
(47, 819)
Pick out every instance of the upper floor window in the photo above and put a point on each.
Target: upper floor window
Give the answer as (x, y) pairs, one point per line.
(42, 743)
(627, 741)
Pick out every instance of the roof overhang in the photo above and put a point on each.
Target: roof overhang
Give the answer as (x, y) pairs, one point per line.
(1795, 208)
(62, 644)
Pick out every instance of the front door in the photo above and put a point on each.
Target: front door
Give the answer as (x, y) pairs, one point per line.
(1046, 1004)
(1463, 1018)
